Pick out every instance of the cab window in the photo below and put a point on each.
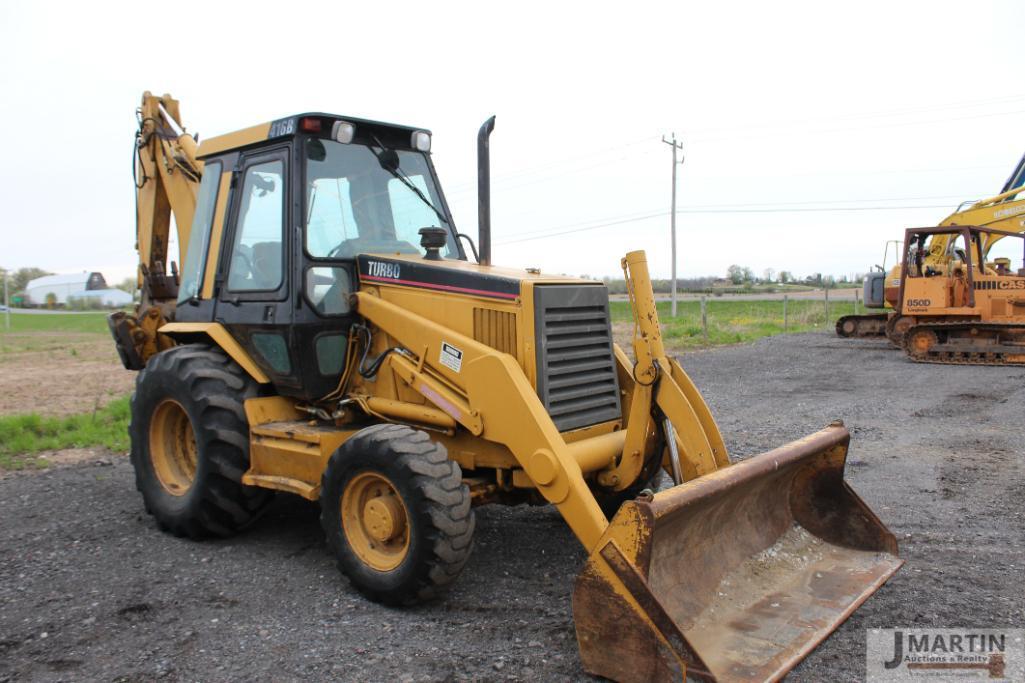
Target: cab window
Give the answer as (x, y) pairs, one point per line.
(368, 199)
(199, 238)
(257, 258)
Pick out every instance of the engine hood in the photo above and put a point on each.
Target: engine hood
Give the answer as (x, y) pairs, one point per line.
(449, 275)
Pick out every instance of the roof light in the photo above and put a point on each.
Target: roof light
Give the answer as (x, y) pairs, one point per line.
(421, 141)
(309, 125)
(343, 132)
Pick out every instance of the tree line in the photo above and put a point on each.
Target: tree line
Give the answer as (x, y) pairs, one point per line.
(738, 278)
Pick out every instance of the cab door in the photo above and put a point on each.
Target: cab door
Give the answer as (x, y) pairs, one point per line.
(253, 292)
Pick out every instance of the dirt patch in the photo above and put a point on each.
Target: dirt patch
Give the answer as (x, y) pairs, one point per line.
(59, 374)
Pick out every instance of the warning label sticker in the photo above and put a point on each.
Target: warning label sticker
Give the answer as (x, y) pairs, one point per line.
(451, 357)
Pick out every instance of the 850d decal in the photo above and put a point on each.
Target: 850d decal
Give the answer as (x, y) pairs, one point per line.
(439, 278)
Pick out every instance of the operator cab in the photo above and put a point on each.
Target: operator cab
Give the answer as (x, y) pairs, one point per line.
(282, 211)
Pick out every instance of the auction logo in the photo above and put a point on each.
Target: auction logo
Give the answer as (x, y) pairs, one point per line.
(945, 654)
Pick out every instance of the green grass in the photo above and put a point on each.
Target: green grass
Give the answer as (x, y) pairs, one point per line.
(735, 322)
(24, 436)
(55, 322)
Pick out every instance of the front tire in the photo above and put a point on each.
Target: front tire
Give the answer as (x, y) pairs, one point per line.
(190, 442)
(396, 514)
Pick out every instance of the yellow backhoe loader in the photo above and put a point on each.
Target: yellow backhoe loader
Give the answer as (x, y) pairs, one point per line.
(327, 336)
(1004, 212)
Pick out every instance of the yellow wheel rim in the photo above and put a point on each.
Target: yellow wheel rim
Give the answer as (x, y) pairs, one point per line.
(375, 521)
(172, 447)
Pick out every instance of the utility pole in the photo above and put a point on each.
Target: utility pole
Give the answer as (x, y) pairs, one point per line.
(7, 302)
(672, 215)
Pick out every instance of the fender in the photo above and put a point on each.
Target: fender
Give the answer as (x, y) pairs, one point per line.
(219, 335)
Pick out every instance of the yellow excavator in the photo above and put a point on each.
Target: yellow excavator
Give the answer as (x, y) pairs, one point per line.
(327, 336)
(1003, 213)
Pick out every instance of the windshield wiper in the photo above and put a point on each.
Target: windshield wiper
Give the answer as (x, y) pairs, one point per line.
(392, 166)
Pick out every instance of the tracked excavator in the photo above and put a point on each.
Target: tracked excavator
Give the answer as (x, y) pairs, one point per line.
(1003, 212)
(328, 336)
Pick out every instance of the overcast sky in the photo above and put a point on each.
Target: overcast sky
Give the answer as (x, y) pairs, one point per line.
(784, 109)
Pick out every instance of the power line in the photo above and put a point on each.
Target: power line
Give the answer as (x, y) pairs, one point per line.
(964, 104)
(661, 214)
(515, 173)
(844, 129)
(724, 134)
(727, 208)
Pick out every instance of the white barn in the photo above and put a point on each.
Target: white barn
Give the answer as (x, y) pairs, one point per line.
(105, 298)
(62, 287)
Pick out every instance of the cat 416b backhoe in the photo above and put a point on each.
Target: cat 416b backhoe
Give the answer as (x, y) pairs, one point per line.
(328, 337)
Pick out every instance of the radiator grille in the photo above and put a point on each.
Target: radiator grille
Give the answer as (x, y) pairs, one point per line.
(576, 369)
(497, 329)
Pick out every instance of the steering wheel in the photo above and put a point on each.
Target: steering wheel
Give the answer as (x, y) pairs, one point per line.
(338, 250)
(246, 263)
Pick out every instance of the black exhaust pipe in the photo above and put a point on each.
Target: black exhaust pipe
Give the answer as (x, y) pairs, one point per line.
(484, 192)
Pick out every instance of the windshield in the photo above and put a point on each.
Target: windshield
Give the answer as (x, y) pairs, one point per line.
(354, 205)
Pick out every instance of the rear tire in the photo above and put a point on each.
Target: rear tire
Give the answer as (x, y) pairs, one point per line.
(396, 514)
(190, 442)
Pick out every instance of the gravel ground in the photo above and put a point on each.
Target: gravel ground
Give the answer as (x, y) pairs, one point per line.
(90, 590)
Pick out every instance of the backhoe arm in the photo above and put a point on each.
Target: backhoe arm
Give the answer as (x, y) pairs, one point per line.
(167, 178)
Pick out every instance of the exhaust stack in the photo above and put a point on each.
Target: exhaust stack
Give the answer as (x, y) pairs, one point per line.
(484, 192)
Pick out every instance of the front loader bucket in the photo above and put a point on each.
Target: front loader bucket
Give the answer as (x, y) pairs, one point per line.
(736, 575)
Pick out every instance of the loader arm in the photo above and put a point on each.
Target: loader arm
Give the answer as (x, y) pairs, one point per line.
(491, 397)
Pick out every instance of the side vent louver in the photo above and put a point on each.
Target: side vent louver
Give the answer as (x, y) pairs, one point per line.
(576, 369)
(497, 329)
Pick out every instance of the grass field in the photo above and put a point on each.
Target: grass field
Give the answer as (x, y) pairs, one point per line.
(22, 437)
(56, 322)
(64, 387)
(61, 386)
(735, 322)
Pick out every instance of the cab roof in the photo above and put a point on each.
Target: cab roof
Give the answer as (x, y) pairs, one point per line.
(317, 124)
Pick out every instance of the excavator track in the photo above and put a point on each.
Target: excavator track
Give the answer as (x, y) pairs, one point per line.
(859, 326)
(896, 326)
(966, 343)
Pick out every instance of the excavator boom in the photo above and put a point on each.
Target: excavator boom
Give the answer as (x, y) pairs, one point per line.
(167, 175)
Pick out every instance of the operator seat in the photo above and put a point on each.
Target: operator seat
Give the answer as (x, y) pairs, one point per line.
(266, 265)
